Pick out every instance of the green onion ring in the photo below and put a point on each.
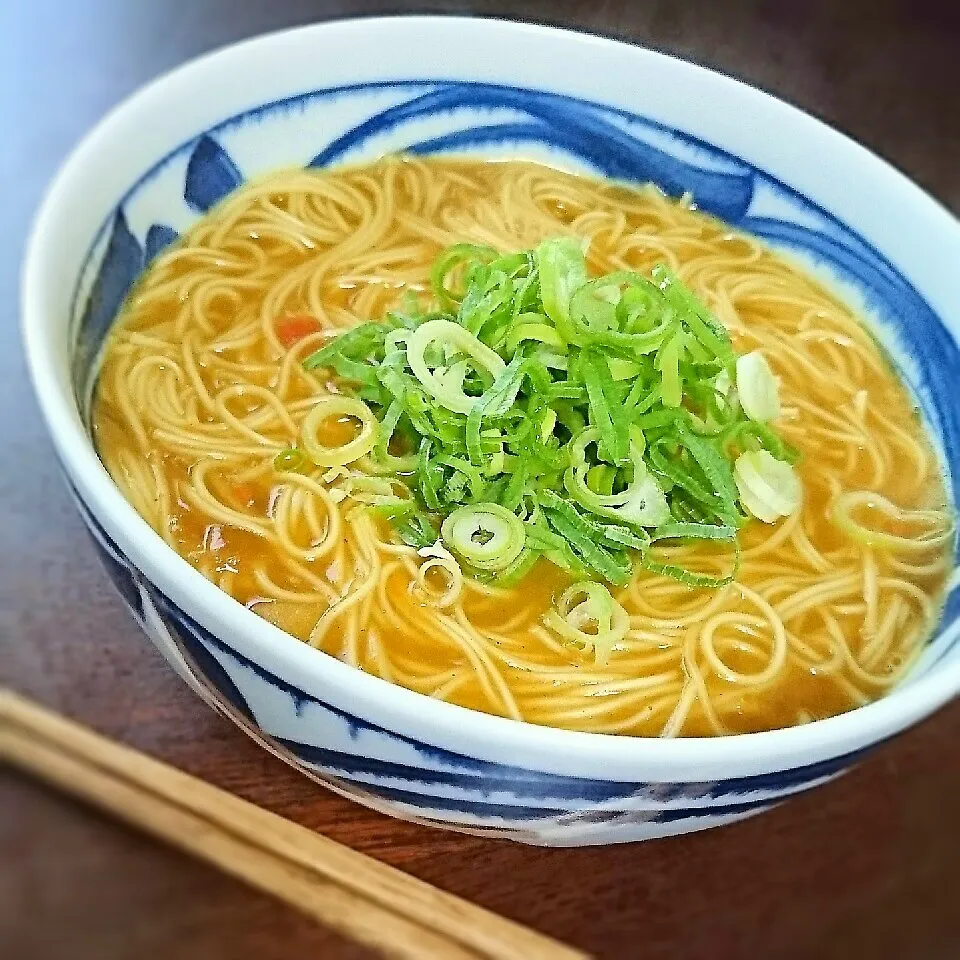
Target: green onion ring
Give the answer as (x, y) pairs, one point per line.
(485, 536)
(335, 405)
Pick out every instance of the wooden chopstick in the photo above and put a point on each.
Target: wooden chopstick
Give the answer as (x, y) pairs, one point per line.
(374, 904)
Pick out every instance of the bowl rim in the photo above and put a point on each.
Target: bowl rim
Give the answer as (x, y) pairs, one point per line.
(377, 701)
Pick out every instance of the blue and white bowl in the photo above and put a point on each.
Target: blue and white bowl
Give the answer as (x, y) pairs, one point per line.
(350, 91)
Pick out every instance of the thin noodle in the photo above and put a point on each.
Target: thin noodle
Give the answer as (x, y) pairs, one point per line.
(201, 388)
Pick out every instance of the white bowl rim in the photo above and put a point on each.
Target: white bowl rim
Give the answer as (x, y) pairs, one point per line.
(394, 708)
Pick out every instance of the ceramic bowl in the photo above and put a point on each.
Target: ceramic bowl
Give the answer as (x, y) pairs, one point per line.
(350, 91)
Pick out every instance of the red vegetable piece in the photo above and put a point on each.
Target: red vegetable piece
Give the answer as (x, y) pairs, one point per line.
(293, 327)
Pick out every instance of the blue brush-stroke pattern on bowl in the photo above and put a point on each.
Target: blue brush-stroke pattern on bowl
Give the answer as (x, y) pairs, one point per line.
(159, 236)
(121, 265)
(372, 764)
(571, 125)
(211, 175)
(722, 184)
(383, 768)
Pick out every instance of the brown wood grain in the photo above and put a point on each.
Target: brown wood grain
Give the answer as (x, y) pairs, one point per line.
(368, 901)
(864, 867)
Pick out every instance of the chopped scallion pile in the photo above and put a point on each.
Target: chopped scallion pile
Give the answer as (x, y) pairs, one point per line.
(534, 411)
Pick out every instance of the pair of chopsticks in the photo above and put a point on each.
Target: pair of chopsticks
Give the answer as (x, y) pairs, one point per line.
(365, 900)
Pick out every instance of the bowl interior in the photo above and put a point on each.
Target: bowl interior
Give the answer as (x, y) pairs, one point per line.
(348, 125)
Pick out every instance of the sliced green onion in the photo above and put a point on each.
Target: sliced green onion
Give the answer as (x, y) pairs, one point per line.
(337, 405)
(518, 569)
(621, 369)
(584, 538)
(716, 469)
(542, 332)
(641, 503)
(291, 460)
(547, 424)
(757, 387)
(380, 460)
(723, 384)
(668, 363)
(605, 413)
(437, 558)
(486, 536)
(377, 490)
(694, 314)
(689, 577)
(693, 531)
(457, 255)
(449, 334)
(414, 528)
(562, 272)
(586, 614)
(601, 410)
(769, 488)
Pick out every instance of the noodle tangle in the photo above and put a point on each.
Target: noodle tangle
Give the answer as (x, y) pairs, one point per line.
(201, 388)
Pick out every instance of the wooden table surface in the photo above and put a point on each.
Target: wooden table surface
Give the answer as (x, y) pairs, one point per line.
(868, 866)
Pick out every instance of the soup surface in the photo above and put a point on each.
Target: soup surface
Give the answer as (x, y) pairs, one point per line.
(203, 386)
